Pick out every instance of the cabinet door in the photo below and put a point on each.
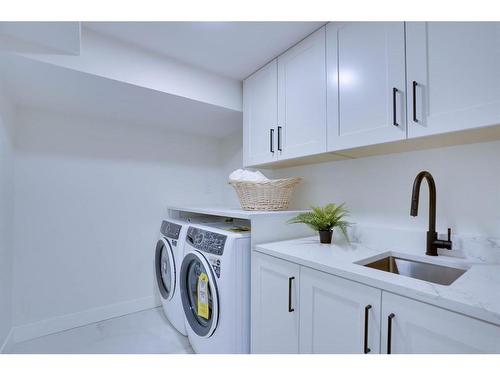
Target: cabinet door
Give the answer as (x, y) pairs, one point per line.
(275, 299)
(418, 327)
(260, 115)
(333, 312)
(453, 79)
(302, 98)
(366, 83)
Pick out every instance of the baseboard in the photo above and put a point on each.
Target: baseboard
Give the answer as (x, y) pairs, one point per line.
(7, 342)
(65, 322)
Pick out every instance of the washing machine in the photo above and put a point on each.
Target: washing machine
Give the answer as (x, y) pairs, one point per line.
(215, 288)
(168, 257)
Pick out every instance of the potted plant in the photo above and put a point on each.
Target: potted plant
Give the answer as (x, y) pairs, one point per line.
(324, 219)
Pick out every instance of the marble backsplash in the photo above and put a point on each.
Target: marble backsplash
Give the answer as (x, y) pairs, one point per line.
(472, 248)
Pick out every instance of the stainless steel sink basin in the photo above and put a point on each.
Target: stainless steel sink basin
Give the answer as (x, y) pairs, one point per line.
(433, 273)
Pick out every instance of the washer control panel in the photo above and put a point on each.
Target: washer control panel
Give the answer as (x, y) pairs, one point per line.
(170, 230)
(209, 242)
(215, 263)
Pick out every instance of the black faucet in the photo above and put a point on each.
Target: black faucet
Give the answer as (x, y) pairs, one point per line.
(432, 241)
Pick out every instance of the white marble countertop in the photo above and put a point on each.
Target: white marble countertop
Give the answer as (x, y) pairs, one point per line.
(233, 212)
(476, 293)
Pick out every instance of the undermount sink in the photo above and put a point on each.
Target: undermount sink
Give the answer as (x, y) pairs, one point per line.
(433, 273)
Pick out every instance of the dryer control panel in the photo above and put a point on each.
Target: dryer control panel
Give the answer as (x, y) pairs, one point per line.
(214, 261)
(170, 230)
(209, 242)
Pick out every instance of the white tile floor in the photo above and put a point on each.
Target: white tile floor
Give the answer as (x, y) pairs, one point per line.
(144, 332)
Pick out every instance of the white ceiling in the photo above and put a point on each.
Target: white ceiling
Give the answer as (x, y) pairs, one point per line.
(39, 85)
(229, 49)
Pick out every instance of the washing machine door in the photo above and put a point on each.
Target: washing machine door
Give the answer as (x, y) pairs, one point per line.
(199, 294)
(165, 269)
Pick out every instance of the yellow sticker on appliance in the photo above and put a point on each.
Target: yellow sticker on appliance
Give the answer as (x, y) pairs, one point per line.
(203, 295)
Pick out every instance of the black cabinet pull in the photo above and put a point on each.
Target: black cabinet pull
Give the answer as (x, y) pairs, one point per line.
(290, 279)
(279, 138)
(366, 349)
(415, 84)
(389, 332)
(271, 140)
(394, 113)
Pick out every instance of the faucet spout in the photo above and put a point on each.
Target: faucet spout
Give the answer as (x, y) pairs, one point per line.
(432, 240)
(415, 197)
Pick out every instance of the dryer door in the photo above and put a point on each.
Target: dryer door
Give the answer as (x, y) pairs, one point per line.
(165, 269)
(200, 298)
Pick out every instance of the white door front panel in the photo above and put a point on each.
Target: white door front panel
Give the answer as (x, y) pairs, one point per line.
(453, 79)
(302, 98)
(275, 301)
(417, 327)
(333, 312)
(260, 115)
(366, 84)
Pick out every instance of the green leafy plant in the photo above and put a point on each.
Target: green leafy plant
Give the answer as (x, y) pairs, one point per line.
(325, 218)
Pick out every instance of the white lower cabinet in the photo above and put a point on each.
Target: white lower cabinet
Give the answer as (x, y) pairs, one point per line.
(337, 315)
(409, 327)
(275, 297)
(297, 309)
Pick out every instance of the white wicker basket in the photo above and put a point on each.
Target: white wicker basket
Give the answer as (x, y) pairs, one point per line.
(272, 195)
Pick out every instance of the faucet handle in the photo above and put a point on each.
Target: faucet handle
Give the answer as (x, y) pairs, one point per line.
(449, 234)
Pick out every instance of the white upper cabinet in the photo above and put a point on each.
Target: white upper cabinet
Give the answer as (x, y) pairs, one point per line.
(411, 327)
(453, 76)
(275, 299)
(337, 315)
(366, 83)
(355, 84)
(260, 115)
(302, 98)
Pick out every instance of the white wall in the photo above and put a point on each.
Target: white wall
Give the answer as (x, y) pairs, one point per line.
(378, 189)
(232, 158)
(40, 37)
(6, 215)
(90, 196)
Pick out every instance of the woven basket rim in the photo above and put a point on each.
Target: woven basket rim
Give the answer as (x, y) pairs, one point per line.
(278, 180)
(271, 195)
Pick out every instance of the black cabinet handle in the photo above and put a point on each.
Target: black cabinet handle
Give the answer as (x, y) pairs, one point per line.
(279, 138)
(394, 114)
(366, 349)
(290, 279)
(271, 140)
(415, 84)
(389, 332)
